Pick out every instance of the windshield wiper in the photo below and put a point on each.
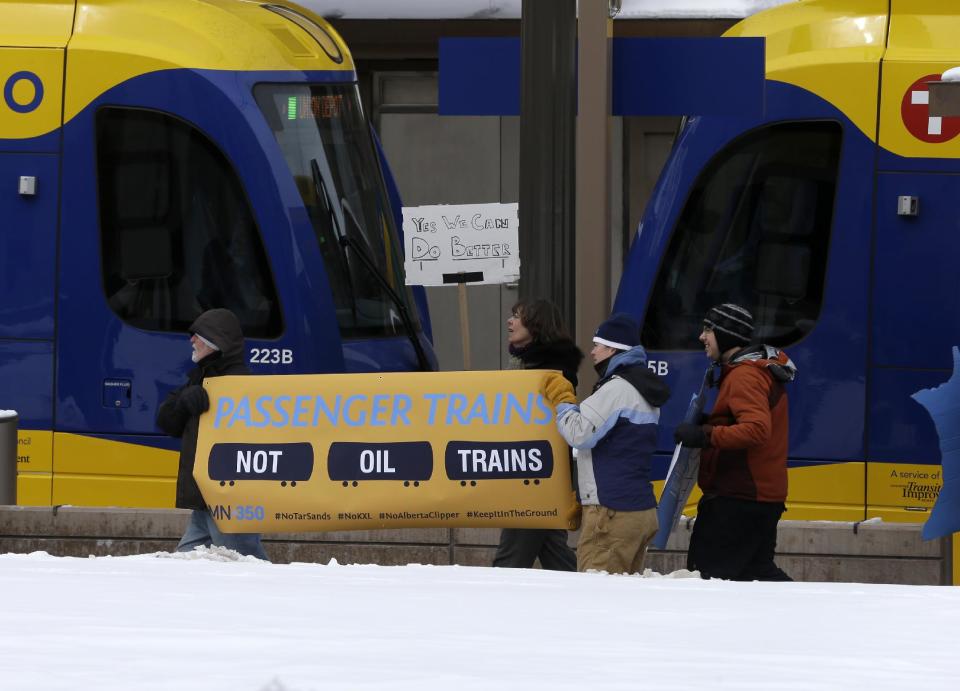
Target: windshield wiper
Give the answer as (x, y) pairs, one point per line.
(347, 243)
(323, 198)
(399, 303)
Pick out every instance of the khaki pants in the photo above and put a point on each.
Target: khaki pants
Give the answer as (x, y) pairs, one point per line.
(615, 541)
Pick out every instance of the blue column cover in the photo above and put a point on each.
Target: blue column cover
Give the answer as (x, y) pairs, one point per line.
(479, 76)
(688, 76)
(651, 76)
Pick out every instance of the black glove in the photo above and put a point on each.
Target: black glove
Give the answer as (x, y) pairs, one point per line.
(692, 436)
(194, 400)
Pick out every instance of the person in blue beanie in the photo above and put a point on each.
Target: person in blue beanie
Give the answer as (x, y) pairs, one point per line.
(615, 433)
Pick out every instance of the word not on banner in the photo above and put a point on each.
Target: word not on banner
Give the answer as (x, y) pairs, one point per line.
(296, 453)
(445, 242)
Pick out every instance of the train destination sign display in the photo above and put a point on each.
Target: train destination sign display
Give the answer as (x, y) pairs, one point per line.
(467, 243)
(295, 453)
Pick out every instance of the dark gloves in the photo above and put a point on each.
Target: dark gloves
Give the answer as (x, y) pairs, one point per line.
(194, 400)
(692, 436)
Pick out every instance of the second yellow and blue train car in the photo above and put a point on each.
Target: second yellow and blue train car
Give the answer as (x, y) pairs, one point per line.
(834, 214)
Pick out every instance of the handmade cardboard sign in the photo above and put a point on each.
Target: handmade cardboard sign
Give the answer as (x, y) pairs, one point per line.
(398, 450)
(468, 243)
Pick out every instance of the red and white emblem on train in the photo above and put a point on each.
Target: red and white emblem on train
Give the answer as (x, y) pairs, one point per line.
(915, 111)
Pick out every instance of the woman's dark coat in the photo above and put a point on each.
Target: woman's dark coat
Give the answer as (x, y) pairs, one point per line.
(562, 354)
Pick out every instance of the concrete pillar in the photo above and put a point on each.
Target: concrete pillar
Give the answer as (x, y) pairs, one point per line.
(548, 35)
(595, 31)
(8, 456)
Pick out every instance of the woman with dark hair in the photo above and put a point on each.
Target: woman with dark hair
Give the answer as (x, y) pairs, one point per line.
(538, 340)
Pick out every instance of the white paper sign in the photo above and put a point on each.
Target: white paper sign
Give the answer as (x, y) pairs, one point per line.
(450, 244)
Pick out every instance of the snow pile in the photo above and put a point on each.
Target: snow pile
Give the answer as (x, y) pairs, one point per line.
(951, 75)
(212, 553)
(218, 622)
(695, 9)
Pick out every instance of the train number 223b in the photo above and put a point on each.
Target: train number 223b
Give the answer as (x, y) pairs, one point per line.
(271, 356)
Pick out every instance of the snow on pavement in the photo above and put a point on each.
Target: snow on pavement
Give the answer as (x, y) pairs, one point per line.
(212, 620)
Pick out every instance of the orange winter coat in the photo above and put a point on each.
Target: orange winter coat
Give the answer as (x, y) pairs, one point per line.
(749, 429)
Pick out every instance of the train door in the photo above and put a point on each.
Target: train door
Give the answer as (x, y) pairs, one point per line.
(28, 207)
(157, 227)
(30, 104)
(777, 221)
(915, 324)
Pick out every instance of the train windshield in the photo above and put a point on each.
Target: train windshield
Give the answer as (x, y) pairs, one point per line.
(755, 231)
(324, 138)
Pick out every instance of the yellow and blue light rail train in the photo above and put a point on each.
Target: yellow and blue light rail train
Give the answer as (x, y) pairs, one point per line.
(812, 183)
(834, 214)
(158, 159)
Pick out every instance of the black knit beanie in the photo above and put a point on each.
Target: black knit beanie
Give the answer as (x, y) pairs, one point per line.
(731, 324)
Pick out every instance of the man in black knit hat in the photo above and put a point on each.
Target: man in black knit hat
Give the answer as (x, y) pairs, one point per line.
(216, 340)
(743, 462)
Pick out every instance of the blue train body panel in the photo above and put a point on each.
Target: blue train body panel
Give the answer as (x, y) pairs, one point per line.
(900, 429)
(28, 247)
(914, 286)
(833, 385)
(26, 380)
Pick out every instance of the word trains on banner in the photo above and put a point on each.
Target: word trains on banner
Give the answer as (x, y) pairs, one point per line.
(498, 460)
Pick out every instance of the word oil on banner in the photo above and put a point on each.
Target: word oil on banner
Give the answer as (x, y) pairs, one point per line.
(468, 243)
(295, 453)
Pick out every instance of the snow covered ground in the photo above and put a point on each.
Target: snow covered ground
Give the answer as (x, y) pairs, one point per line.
(215, 621)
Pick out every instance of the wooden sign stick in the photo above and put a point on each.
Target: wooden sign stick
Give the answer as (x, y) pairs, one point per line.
(464, 324)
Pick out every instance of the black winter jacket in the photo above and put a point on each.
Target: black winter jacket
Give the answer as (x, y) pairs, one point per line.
(561, 355)
(222, 328)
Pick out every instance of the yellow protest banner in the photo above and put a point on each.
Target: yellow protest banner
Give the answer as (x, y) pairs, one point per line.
(399, 450)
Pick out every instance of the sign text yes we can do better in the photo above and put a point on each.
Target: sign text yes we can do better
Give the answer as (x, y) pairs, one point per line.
(444, 241)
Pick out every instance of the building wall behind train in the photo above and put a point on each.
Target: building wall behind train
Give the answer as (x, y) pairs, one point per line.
(467, 160)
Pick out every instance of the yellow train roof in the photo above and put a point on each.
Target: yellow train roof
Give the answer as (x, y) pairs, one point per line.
(37, 24)
(834, 48)
(110, 41)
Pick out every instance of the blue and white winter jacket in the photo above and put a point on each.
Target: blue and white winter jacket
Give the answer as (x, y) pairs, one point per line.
(615, 433)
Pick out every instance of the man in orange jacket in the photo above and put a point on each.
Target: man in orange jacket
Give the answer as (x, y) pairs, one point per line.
(743, 462)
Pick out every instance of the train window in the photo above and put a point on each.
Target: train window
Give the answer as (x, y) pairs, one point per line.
(327, 145)
(755, 231)
(178, 235)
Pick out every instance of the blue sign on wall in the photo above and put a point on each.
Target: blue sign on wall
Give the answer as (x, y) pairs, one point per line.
(479, 76)
(650, 76)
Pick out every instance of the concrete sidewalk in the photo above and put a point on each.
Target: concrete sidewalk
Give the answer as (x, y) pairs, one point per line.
(870, 552)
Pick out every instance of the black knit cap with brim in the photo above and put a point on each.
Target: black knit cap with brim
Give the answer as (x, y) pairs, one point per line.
(731, 324)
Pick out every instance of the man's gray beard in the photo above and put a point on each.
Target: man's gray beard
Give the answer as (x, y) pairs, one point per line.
(194, 356)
